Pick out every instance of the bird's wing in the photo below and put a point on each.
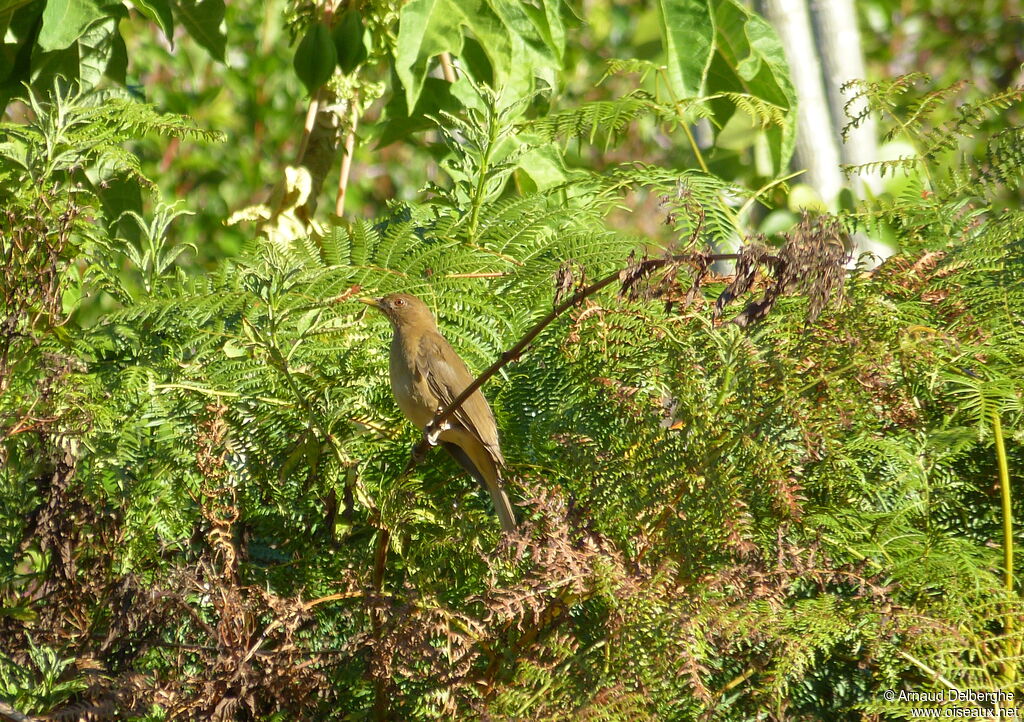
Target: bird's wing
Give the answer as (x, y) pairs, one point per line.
(446, 376)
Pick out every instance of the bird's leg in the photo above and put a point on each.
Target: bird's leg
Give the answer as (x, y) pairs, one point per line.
(433, 431)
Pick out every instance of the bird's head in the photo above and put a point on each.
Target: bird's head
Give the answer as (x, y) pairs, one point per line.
(402, 310)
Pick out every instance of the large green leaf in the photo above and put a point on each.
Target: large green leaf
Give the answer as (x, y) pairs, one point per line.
(688, 34)
(749, 59)
(16, 56)
(202, 19)
(64, 22)
(538, 44)
(96, 48)
(315, 57)
(159, 11)
(347, 35)
(548, 24)
(399, 123)
(540, 169)
(9, 6)
(98, 51)
(518, 43)
(117, 67)
(429, 27)
(5, 21)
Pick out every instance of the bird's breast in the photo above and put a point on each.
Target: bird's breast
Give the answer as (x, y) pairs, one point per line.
(410, 388)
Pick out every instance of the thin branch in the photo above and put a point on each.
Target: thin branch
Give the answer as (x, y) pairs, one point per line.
(1009, 671)
(346, 161)
(928, 671)
(307, 128)
(480, 274)
(1004, 487)
(447, 68)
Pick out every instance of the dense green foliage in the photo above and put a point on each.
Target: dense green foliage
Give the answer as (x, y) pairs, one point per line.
(774, 493)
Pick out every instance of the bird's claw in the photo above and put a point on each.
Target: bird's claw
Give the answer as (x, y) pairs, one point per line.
(433, 432)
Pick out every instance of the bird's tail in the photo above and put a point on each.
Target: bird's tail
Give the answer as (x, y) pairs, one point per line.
(502, 505)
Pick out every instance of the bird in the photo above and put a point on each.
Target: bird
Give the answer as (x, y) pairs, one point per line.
(426, 376)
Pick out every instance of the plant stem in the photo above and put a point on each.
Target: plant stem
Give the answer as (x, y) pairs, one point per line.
(307, 126)
(1004, 489)
(693, 144)
(936, 676)
(485, 167)
(1009, 669)
(446, 67)
(346, 161)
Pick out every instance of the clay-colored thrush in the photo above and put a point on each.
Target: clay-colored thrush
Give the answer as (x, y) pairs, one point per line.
(426, 376)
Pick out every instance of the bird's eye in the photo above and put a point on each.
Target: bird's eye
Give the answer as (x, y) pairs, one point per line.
(398, 302)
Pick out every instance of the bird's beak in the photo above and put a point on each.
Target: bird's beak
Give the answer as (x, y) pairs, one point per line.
(375, 302)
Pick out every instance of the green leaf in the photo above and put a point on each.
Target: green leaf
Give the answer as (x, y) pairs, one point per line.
(9, 6)
(117, 68)
(96, 50)
(71, 298)
(749, 59)
(5, 22)
(517, 43)
(688, 34)
(315, 57)
(15, 152)
(202, 19)
(534, 46)
(159, 11)
(307, 449)
(548, 24)
(16, 58)
(64, 21)
(233, 349)
(425, 29)
(348, 41)
(400, 123)
(87, 59)
(47, 66)
(803, 197)
(119, 194)
(429, 27)
(540, 169)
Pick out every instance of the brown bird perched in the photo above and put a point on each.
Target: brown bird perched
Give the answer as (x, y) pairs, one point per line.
(426, 376)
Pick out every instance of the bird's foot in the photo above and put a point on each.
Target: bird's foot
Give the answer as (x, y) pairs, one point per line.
(434, 432)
